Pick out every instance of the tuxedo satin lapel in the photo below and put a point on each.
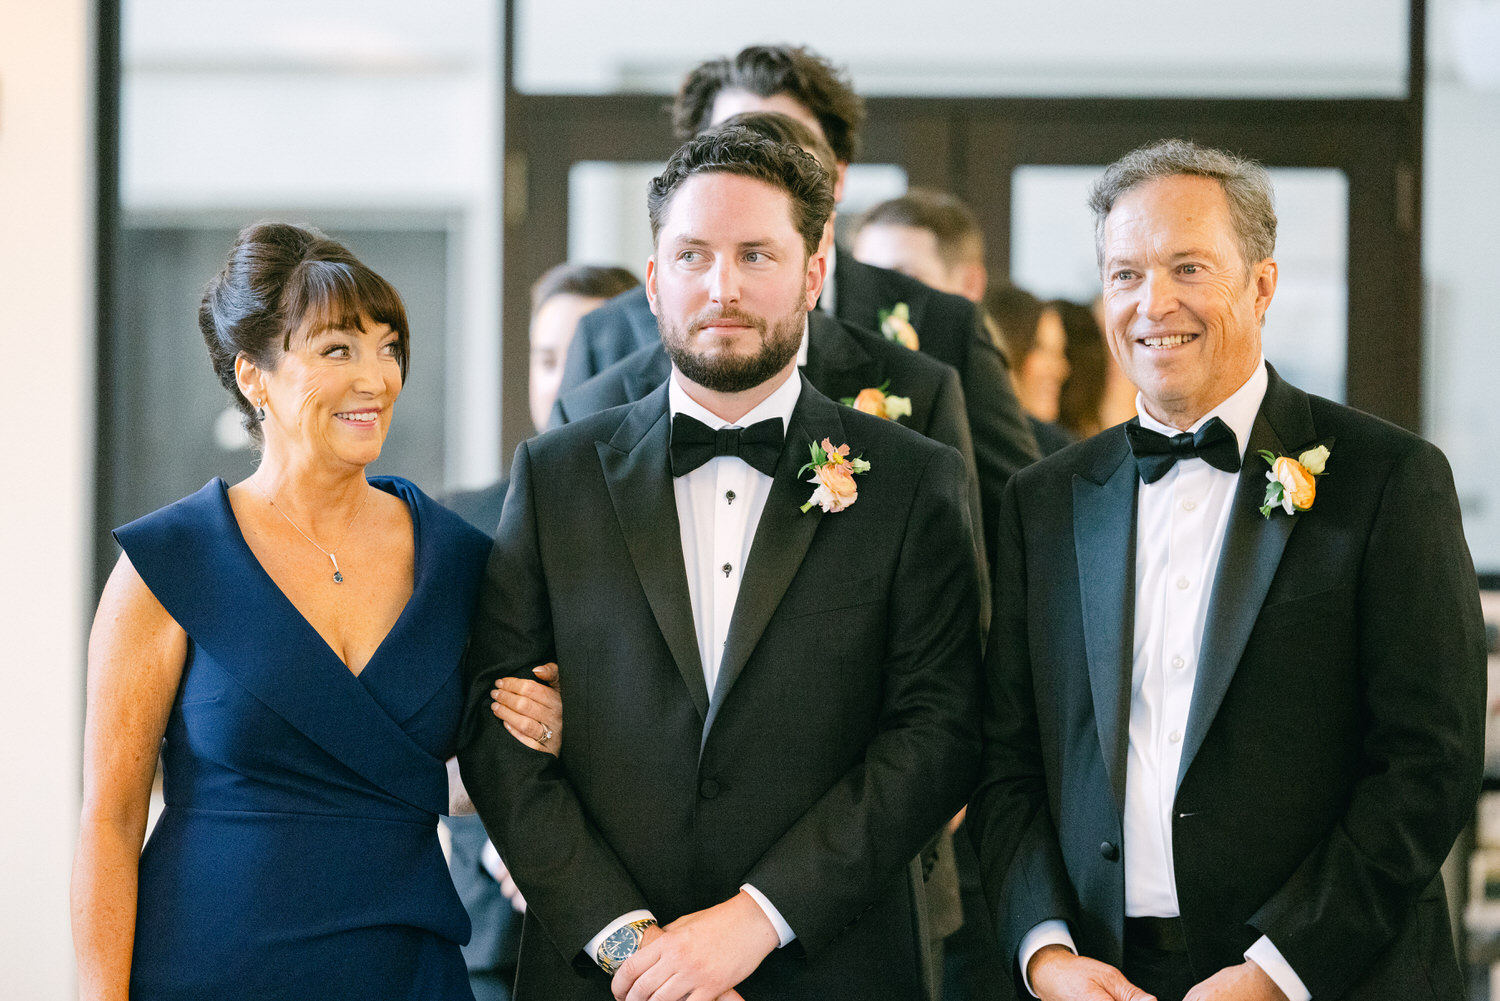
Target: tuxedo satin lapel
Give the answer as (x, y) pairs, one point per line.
(836, 364)
(781, 540)
(1104, 540)
(298, 676)
(639, 479)
(1253, 545)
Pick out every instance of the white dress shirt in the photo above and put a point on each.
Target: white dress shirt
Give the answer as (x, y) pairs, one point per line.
(1181, 521)
(719, 505)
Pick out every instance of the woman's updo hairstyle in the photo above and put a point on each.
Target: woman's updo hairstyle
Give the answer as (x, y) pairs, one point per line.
(280, 279)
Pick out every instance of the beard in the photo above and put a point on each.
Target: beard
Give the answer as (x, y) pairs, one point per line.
(729, 372)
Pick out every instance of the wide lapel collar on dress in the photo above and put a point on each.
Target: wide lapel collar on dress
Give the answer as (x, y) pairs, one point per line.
(1252, 550)
(837, 365)
(1104, 503)
(638, 473)
(781, 539)
(301, 679)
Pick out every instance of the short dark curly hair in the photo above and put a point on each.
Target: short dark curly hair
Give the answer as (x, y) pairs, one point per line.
(735, 149)
(768, 70)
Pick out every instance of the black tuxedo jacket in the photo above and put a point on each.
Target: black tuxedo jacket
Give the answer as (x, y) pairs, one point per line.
(841, 361)
(1334, 744)
(841, 734)
(948, 329)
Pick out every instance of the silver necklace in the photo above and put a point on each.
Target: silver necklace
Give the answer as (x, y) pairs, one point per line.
(338, 575)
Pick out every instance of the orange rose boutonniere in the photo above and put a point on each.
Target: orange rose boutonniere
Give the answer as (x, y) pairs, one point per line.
(875, 400)
(895, 324)
(833, 474)
(1293, 481)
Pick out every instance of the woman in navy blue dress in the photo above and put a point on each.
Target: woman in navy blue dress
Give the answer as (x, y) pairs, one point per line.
(290, 646)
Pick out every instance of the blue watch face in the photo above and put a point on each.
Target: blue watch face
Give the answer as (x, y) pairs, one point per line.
(620, 945)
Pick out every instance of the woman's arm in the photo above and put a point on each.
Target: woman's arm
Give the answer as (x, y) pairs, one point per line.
(135, 661)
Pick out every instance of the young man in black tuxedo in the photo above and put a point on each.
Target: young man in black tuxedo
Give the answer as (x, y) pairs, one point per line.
(796, 82)
(769, 686)
(1233, 726)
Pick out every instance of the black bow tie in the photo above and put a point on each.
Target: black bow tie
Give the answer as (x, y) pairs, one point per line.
(1155, 453)
(694, 443)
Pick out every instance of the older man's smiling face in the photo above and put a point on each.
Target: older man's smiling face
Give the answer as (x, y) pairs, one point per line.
(1182, 307)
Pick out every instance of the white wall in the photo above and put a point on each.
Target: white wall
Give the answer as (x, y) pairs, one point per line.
(230, 110)
(1461, 258)
(47, 417)
(990, 47)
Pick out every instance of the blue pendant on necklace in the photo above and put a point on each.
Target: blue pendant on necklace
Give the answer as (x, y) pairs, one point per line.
(338, 578)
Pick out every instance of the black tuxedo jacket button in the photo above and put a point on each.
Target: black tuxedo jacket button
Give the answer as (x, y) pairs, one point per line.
(709, 789)
(1109, 851)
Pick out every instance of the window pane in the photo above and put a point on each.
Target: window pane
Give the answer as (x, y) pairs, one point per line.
(607, 221)
(1094, 48)
(1306, 329)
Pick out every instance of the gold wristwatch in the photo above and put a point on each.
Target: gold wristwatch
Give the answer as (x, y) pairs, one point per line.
(622, 943)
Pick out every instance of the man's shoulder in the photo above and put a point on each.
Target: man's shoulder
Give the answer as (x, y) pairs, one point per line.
(870, 434)
(623, 311)
(582, 435)
(907, 369)
(1362, 442)
(1095, 458)
(625, 381)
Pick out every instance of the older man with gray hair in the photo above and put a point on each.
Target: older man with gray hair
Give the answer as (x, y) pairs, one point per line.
(1236, 669)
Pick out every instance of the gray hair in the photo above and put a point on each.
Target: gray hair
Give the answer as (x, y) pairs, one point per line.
(1246, 184)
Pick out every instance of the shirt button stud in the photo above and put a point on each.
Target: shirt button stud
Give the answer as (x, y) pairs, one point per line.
(1182, 583)
(1189, 505)
(1178, 663)
(726, 568)
(1175, 736)
(729, 496)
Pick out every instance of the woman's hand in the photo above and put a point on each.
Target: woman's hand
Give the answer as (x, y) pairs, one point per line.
(531, 710)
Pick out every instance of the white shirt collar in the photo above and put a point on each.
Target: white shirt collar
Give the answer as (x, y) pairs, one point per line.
(1238, 410)
(780, 403)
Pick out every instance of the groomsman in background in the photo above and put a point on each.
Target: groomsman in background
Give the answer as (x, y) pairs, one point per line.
(799, 83)
(769, 685)
(1236, 672)
(931, 236)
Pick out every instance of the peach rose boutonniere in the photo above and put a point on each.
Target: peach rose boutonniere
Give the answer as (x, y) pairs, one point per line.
(895, 324)
(875, 400)
(1293, 481)
(833, 474)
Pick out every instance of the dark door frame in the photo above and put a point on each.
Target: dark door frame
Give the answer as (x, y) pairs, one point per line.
(970, 146)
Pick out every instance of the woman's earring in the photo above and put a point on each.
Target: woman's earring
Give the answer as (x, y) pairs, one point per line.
(260, 413)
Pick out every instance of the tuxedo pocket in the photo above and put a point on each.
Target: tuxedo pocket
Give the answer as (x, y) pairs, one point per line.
(843, 596)
(1306, 609)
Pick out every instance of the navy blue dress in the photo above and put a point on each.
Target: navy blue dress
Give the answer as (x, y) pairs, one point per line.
(298, 854)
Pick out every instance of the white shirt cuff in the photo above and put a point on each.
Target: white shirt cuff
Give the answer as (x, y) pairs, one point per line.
(490, 859)
(1053, 931)
(1266, 956)
(783, 930)
(592, 948)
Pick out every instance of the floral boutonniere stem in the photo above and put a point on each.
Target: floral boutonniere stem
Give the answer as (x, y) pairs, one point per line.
(833, 474)
(1293, 482)
(895, 324)
(875, 400)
